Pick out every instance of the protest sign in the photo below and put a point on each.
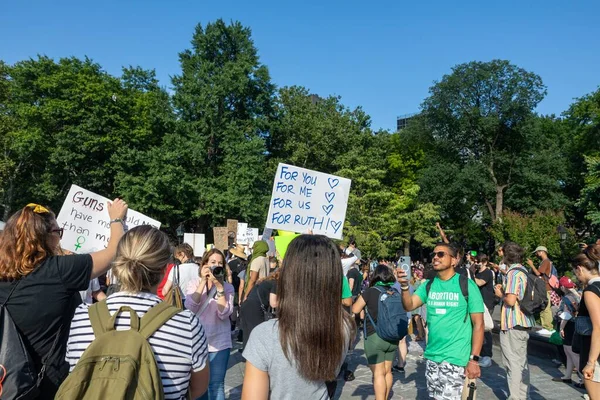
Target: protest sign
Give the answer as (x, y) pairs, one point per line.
(246, 235)
(220, 238)
(84, 218)
(232, 231)
(196, 240)
(304, 200)
(242, 233)
(283, 242)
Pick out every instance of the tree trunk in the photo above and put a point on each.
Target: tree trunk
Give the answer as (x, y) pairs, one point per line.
(8, 198)
(499, 202)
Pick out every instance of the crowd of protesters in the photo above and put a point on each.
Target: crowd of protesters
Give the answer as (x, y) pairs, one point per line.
(297, 318)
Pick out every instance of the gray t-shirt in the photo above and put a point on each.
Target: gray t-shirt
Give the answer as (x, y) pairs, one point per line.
(264, 351)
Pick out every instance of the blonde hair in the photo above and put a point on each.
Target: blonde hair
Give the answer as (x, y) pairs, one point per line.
(142, 256)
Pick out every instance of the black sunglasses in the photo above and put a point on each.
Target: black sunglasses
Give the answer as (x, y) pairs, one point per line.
(60, 231)
(439, 254)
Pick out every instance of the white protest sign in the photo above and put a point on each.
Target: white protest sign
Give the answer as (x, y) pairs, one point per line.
(242, 233)
(246, 235)
(84, 218)
(252, 236)
(303, 199)
(197, 241)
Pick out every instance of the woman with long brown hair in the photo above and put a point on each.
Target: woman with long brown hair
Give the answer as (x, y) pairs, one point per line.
(292, 356)
(210, 297)
(40, 288)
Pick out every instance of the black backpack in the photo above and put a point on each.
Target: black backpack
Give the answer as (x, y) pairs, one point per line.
(463, 281)
(21, 381)
(535, 298)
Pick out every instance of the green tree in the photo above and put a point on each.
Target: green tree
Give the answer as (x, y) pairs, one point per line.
(317, 133)
(224, 102)
(479, 111)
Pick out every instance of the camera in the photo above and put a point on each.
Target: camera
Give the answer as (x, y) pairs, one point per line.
(218, 272)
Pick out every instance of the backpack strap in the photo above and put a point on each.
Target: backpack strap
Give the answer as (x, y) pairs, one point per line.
(463, 281)
(103, 322)
(156, 317)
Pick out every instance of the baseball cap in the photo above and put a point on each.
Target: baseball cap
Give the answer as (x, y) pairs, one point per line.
(566, 282)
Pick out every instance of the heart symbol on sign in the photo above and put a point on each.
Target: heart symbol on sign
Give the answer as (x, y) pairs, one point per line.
(328, 208)
(333, 182)
(336, 225)
(330, 196)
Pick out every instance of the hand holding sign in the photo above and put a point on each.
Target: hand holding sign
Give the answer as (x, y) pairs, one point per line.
(117, 209)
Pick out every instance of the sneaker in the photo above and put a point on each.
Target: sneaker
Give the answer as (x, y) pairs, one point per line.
(545, 332)
(485, 362)
(397, 368)
(556, 362)
(348, 376)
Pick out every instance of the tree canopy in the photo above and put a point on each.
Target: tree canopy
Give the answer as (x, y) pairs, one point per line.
(477, 157)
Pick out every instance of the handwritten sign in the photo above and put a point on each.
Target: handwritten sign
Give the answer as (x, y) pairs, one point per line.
(246, 235)
(196, 240)
(303, 199)
(220, 237)
(84, 218)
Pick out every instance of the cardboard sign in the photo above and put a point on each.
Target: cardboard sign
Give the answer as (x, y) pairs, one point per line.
(196, 240)
(305, 200)
(84, 218)
(220, 238)
(232, 231)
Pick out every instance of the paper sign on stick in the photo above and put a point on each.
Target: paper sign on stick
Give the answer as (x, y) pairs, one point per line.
(304, 200)
(84, 218)
(196, 240)
(220, 238)
(232, 231)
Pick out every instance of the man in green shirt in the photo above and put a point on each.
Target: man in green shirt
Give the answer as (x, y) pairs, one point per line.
(454, 340)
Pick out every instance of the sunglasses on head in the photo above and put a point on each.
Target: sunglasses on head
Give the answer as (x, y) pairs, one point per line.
(439, 254)
(60, 231)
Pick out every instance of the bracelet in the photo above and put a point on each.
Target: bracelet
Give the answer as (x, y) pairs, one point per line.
(404, 287)
(591, 363)
(220, 294)
(473, 361)
(116, 220)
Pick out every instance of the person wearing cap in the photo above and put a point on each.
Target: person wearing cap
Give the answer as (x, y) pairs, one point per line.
(545, 272)
(566, 315)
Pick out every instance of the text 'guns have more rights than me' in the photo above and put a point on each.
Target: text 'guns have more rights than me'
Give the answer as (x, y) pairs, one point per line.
(84, 218)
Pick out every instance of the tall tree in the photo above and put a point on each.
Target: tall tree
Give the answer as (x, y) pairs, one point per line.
(479, 110)
(224, 101)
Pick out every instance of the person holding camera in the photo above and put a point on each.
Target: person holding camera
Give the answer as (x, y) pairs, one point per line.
(210, 297)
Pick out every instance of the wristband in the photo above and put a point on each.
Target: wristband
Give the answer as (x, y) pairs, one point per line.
(116, 220)
(404, 288)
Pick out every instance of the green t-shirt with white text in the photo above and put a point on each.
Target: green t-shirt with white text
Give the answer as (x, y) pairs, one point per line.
(449, 334)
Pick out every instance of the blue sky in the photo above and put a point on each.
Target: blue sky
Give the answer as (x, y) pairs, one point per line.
(381, 55)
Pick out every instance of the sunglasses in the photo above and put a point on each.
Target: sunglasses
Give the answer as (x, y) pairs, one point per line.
(60, 231)
(439, 254)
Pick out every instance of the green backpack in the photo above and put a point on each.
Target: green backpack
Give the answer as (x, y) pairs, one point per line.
(118, 364)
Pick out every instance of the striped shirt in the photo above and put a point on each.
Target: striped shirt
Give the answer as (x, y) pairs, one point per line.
(179, 345)
(516, 281)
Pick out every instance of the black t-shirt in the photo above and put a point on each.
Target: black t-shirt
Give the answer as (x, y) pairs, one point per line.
(487, 290)
(371, 297)
(263, 292)
(44, 301)
(594, 288)
(355, 274)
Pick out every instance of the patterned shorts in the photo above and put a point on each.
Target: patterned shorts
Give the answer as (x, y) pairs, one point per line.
(444, 381)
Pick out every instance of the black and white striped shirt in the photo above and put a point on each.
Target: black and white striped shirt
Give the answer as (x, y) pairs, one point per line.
(179, 345)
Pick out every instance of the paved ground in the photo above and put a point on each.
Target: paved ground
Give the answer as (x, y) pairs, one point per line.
(411, 384)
